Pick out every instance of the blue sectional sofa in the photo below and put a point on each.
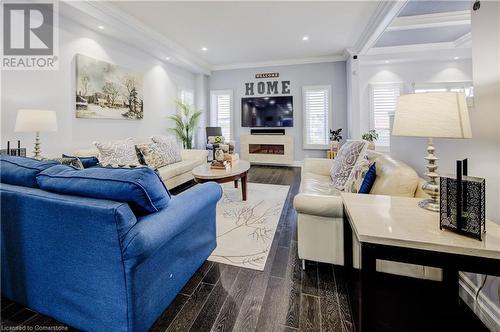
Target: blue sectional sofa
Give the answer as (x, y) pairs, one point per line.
(93, 263)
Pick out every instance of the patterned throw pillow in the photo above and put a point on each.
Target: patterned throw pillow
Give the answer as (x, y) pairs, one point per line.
(151, 155)
(168, 148)
(70, 161)
(349, 155)
(357, 176)
(120, 152)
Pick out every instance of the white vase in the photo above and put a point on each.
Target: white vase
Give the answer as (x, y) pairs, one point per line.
(219, 155)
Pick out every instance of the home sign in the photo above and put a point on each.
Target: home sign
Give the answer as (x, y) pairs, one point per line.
(268, 87)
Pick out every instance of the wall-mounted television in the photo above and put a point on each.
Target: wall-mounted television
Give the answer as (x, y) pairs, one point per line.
(267, 111)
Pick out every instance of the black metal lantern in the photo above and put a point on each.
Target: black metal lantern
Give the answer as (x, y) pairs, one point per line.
(462, 203)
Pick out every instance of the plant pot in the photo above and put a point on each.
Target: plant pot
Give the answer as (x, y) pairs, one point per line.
(371, 146)
(334, 146)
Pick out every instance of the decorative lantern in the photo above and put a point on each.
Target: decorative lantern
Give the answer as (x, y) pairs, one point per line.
(462, 203)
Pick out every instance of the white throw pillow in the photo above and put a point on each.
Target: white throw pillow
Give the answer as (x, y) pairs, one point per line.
(116, 153)
(169, 148)
(349, 155)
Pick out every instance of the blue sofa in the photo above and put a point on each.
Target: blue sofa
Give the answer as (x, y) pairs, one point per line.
(95, 263)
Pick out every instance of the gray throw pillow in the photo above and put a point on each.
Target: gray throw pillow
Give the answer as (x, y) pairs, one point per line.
(120, 152)
(69, 161)
(168, 148)
(349, 155)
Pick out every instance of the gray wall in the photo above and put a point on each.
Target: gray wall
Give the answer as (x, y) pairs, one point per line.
(55, 89)
(331, 73)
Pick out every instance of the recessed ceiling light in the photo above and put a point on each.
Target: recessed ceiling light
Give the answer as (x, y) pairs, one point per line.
(456, 58)
(100, 27)
(305, 38)
(204, 49)
(386, 61)
(167, 58)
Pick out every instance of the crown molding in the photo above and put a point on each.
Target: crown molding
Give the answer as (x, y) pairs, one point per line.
(412, 53)
(430, 21)
(275, 63)
(122, 26)
(464, 41)
(383, 17)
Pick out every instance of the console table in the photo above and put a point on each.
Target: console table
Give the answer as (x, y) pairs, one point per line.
(396, 229)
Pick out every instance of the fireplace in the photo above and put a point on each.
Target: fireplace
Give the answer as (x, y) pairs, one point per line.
(266, 149)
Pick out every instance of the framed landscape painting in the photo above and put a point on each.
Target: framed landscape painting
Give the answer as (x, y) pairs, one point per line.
(107, 91)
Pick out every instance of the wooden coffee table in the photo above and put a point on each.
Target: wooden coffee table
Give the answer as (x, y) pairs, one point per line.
(238, 170)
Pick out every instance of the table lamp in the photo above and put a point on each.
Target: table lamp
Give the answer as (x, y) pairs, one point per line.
(29, 120)
(432, 115)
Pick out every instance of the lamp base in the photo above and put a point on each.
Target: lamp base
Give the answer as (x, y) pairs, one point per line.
(429, 204)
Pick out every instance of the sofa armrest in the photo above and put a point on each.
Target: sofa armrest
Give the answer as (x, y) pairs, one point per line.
(154, 230)
(319, 205)
(194, 154)
(317, 165)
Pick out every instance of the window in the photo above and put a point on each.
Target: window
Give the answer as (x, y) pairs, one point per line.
(221, 111)
(186, 96)
(465, 87)
(317, 101)
(383, 101)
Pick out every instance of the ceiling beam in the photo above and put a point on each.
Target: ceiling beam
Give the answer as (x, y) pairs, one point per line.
(464, 41)
(384, 15)
(430, 21)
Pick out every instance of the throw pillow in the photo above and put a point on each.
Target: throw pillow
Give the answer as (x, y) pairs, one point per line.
(349, 155)
(22, 171)
(369, 180)
(86, 161)
(140, 187)
(120, 152)
(69, 161)
(151, 155)
(357, 176)
(169, 148)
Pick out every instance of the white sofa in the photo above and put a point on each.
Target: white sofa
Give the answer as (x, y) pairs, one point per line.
(320, 212)
(172, 175)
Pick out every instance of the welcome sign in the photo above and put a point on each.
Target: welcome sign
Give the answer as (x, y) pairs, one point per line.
(267, 87)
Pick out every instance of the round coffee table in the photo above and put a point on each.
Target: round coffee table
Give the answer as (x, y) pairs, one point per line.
(238, 170)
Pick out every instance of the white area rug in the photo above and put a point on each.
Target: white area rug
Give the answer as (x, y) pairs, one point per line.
(245, 230)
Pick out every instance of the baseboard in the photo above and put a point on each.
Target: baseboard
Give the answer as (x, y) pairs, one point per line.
(294, 163)
(484, 308)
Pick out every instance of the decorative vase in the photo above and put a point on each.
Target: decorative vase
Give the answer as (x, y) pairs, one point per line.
(219, 155)
(334, 146)
(371, 145)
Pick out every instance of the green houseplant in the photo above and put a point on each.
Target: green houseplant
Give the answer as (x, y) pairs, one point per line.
(185, 121)
(370, 136)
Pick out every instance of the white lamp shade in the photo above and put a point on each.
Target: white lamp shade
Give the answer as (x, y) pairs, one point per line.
(35, 121)
(432, 114)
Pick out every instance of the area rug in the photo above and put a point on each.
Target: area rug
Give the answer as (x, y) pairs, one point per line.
(245, 229)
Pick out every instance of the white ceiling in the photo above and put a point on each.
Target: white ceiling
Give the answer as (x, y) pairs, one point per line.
(249, 32)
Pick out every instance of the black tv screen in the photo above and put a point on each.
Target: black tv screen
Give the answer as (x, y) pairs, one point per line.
(267, 112)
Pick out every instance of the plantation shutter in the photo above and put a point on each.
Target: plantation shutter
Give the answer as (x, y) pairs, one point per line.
(384, 101)
(316, 109)
(222, 112)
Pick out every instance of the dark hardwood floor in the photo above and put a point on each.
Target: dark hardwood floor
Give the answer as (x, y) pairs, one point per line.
(221, 297)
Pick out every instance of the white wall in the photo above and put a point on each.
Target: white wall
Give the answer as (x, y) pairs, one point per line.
(54, 90)
(331, 73)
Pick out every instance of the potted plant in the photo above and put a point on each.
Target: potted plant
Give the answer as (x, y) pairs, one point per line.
(185, 120)
(370, 136)
(335, 138)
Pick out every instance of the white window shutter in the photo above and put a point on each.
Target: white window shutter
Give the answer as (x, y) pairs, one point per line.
(384, 99)
(316, 101)
(222, 111)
